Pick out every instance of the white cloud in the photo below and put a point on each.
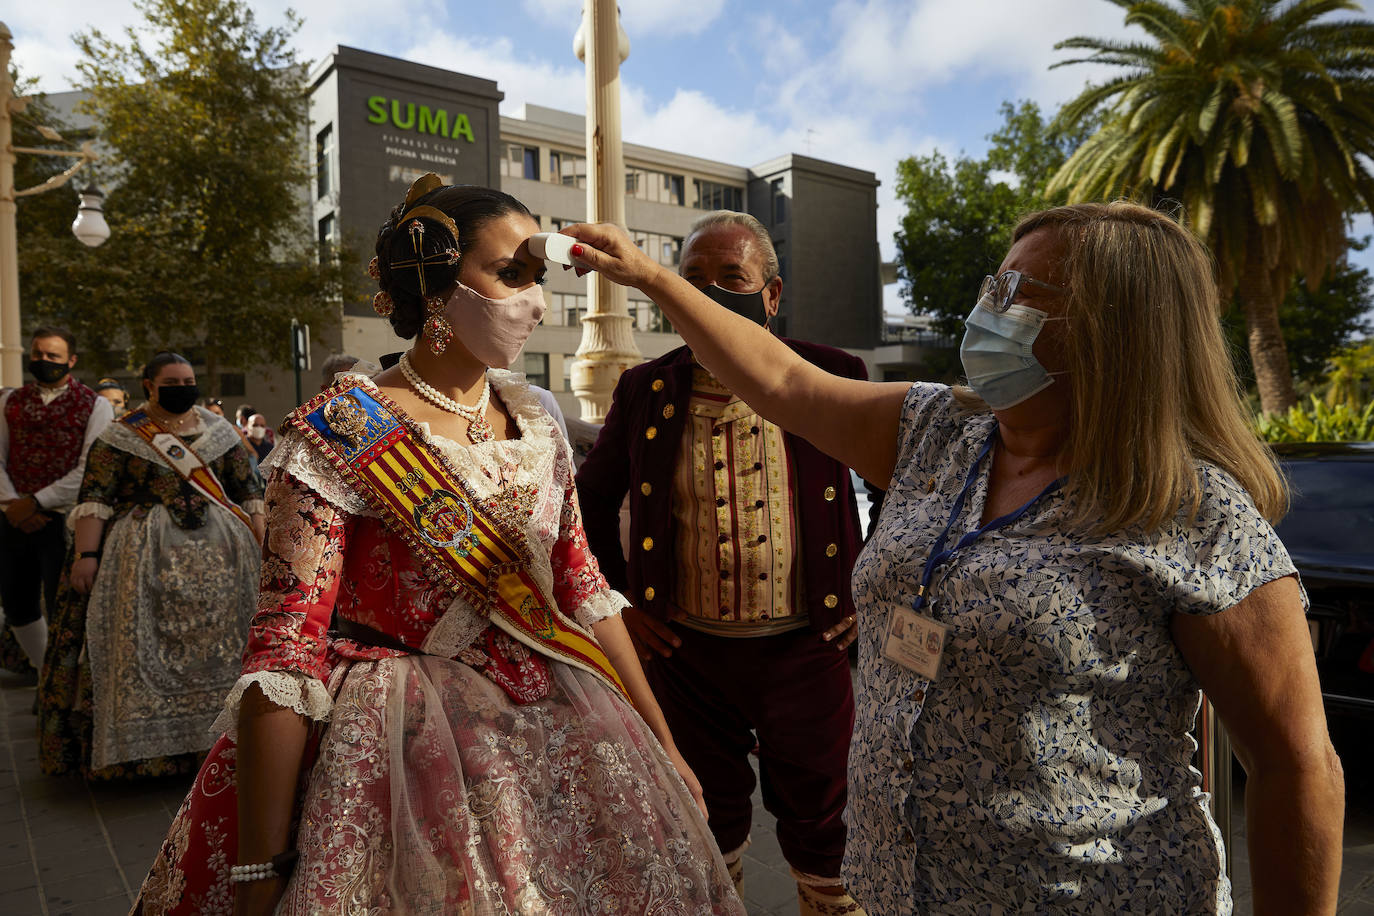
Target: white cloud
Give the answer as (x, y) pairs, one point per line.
(43, 46)
(903, 47)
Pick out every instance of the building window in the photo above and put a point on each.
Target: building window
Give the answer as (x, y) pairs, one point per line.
(559, 222)
(328, 235)
(566, 310)
(567, 169)
(231, 384)
(708, 195)
(520, 162)
(568, 360)
(536, 368)
(324, 161)
(659, 187)
(779, 200)
(666, 249)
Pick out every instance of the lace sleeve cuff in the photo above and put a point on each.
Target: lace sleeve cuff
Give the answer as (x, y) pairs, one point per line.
(254, 506)
(602, 604)
(89, 510)
(288, 689)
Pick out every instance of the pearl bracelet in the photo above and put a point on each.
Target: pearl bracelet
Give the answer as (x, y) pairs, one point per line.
(258, 872)
(279, 866)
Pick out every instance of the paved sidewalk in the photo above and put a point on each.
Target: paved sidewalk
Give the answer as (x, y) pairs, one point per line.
(67, 847)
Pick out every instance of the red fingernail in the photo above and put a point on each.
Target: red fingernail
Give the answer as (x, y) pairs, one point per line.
(576, 251)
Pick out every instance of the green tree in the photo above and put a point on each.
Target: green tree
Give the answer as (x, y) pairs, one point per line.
(211, 248)
(1318, 320)
(1350, 377)
(43, 221)
(1257, 115)
(960, 214)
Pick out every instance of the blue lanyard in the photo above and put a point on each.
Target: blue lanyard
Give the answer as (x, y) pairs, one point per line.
(938, 553)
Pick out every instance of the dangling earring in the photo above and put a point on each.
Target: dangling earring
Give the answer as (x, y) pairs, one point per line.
(382, 304)
(437, 328)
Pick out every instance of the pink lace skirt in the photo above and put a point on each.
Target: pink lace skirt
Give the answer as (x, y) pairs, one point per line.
(434, 792)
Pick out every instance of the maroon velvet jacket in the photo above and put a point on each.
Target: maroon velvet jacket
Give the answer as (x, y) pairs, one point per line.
(636, 451)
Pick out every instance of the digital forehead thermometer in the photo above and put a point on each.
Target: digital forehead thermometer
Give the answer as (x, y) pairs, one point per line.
(552, 246)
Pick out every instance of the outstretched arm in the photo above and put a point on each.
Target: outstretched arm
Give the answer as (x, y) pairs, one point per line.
(1255, 663)
(855, 422)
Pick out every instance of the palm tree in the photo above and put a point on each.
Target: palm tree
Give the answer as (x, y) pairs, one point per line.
(1257, 115)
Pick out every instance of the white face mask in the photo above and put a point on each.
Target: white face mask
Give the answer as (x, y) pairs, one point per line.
(257, 432)
(495, 330)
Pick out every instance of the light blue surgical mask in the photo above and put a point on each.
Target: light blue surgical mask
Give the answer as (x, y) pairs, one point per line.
(997, 357)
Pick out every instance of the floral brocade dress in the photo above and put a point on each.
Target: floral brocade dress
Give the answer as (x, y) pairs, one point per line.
(136, 671)
(480, 777)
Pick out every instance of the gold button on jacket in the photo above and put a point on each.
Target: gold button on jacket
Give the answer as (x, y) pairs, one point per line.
(646, 488)
(831, 549)
(651, 432)
(657, 385)
(831, 601)
(668, 411)
(648, 543)
(649, 593)
(829, 491)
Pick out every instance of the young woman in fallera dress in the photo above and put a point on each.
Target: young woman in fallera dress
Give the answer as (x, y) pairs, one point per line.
(473, 734)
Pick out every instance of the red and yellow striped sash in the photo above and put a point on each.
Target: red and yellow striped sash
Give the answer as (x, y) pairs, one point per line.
(425, 502)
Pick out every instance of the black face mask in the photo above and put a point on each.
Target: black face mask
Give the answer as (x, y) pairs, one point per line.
(177, 398)
(47, 372)
(749, 305)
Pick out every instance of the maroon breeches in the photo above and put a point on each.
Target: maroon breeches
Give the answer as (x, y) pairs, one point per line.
(792, 695)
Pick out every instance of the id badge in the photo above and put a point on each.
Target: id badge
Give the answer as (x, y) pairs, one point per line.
(915, 642)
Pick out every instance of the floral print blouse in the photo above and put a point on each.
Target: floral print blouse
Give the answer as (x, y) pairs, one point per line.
(1047, 768)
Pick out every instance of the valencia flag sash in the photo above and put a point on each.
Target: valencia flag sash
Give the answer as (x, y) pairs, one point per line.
(183, 459)
(427, 504)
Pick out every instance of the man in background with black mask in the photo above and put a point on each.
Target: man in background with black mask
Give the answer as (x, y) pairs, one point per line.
(46, 428)
(742, 541)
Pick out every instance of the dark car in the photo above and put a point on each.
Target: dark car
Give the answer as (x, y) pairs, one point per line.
(1329, 532)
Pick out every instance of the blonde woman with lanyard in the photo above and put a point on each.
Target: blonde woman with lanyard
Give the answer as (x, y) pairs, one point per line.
(1069, 549)
(149, 625)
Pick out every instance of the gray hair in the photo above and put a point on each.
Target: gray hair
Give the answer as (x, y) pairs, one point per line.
(336, 363)
(762, 239)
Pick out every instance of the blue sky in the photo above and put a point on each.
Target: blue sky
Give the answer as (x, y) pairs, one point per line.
(861, 82)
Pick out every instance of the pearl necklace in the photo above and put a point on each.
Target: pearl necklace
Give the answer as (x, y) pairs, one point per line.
(479, 430)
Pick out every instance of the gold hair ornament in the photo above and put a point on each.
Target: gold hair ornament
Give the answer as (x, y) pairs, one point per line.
(416, 228)
(422, 186)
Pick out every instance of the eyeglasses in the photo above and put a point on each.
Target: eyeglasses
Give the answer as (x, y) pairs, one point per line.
(996, 293)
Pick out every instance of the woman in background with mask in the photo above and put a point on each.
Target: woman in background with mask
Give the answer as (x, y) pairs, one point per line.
(1071, 547)
(440, 709)
(148, 629)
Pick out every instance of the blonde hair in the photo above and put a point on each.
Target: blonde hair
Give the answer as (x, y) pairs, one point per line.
(1154, 388)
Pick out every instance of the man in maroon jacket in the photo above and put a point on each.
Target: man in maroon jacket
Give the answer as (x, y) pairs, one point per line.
(742, 540)
(46, 428)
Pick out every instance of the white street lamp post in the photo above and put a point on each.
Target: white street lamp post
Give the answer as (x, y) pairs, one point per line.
(90, 227)
(608, 346)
